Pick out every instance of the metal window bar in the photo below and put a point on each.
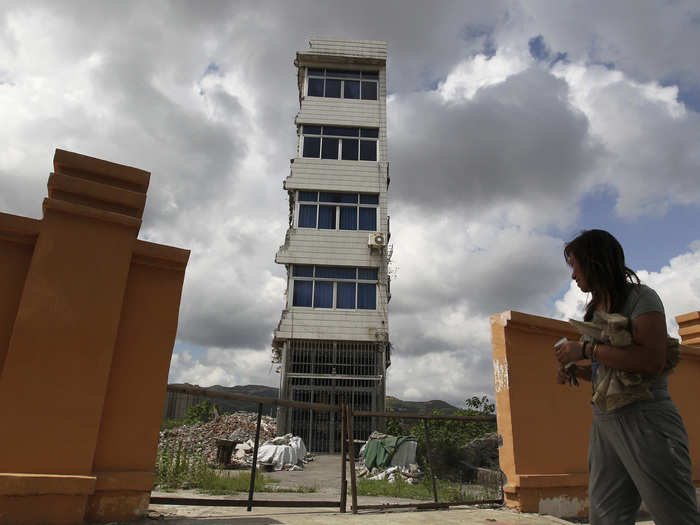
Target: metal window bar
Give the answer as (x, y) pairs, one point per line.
(359, 366)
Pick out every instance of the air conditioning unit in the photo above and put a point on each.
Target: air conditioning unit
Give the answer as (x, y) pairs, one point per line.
(376, 240)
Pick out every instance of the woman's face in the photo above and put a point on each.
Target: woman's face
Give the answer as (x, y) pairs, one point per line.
(577, 274)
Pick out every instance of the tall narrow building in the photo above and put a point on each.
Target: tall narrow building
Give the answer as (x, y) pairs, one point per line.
(332, 341)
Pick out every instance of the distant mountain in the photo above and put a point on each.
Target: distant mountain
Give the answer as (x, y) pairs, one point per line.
(394, 404)
(230, 405)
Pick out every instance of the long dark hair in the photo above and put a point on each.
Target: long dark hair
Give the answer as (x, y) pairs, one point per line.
(602, 261)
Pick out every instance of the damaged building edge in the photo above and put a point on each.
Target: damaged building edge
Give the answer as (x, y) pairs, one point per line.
(332, 341)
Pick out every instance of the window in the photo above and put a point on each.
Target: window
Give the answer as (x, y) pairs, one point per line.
(335, 287)
(337, 211)
(336, 142)
(335, 83)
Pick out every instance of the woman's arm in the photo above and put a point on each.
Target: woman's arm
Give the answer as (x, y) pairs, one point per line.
(647, 353)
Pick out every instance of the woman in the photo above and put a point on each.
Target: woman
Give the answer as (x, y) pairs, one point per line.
(639, 451)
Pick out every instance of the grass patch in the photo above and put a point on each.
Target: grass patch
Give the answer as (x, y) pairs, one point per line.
(447, 490)
(176, 469)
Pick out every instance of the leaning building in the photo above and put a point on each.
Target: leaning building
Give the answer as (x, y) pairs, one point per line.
(332, 341)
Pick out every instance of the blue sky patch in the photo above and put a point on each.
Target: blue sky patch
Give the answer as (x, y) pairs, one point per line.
(649, 242)
(538, 49)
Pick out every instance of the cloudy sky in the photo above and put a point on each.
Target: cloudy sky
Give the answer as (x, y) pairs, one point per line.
(512, 126)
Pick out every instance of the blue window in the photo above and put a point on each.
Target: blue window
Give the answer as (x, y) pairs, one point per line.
(348, 218)
(351, 89)
(337, 211)
(307, 216)
(313, 196)
(337, 287)
(333, 88)
(346, 295)
(333, 142)
(302, 293)
(330, 148)
(336, 83)
(312, 147)
(367, 274)
(326, 217)
(350, 151)
(323, 294)
(369, 90)
(368, 150)
(316, 87)
(368, 219)
(303, 271)
(366, 296)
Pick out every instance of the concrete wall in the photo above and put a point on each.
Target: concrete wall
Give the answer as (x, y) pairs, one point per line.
(545, 426)
(88, 316)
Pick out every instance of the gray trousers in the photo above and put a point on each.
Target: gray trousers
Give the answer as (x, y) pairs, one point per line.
(640, 452)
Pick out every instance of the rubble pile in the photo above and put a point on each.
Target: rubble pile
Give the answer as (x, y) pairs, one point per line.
(410, 474)
(201, 439)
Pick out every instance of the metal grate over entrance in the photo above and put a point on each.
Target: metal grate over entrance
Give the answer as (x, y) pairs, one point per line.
(333, 372)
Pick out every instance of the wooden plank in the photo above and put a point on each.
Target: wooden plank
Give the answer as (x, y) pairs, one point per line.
(343, 459)
(351, 449)
(211, 502)
(254, 467)
(416, 415)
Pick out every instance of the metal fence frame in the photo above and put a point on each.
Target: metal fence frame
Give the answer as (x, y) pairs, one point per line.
(347, 454)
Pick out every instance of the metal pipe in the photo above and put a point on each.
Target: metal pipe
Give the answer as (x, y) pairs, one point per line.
(428, 458)
(255, 459)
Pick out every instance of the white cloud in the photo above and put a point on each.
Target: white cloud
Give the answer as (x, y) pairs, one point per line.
(678, 285)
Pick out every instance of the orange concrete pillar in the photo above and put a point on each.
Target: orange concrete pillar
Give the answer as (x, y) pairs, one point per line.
(683, 384)
(544, 426)
(83, 305)
(128, 437)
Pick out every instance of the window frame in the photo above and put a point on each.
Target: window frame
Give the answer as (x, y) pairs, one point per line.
(337, 74)
(365, 135)
(357, 205)
(335, 280)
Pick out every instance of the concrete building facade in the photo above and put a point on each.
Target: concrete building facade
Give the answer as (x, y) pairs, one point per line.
(332, 341)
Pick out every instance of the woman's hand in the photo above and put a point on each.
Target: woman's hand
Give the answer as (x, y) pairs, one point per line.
(562, 377)
(569, 352)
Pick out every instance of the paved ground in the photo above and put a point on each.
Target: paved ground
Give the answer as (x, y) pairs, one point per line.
(323, 474)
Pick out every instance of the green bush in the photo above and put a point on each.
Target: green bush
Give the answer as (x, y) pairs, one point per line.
(447, 438)
(200, 413)
(170, 424)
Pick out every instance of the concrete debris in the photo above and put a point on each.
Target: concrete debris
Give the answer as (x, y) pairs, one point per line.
(410, 474)
(201, 439)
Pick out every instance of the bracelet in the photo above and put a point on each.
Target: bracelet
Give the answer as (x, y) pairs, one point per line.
(583, 350)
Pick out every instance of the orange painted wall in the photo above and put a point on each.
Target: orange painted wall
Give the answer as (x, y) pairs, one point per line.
(88, 316)
(545, 426)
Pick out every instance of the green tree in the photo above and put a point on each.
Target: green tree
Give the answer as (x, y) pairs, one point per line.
(200, 413)
(447, 439)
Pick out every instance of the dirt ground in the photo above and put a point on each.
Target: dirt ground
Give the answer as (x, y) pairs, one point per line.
(324, 474)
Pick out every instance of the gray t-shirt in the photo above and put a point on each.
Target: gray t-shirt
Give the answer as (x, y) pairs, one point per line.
(641, 300)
